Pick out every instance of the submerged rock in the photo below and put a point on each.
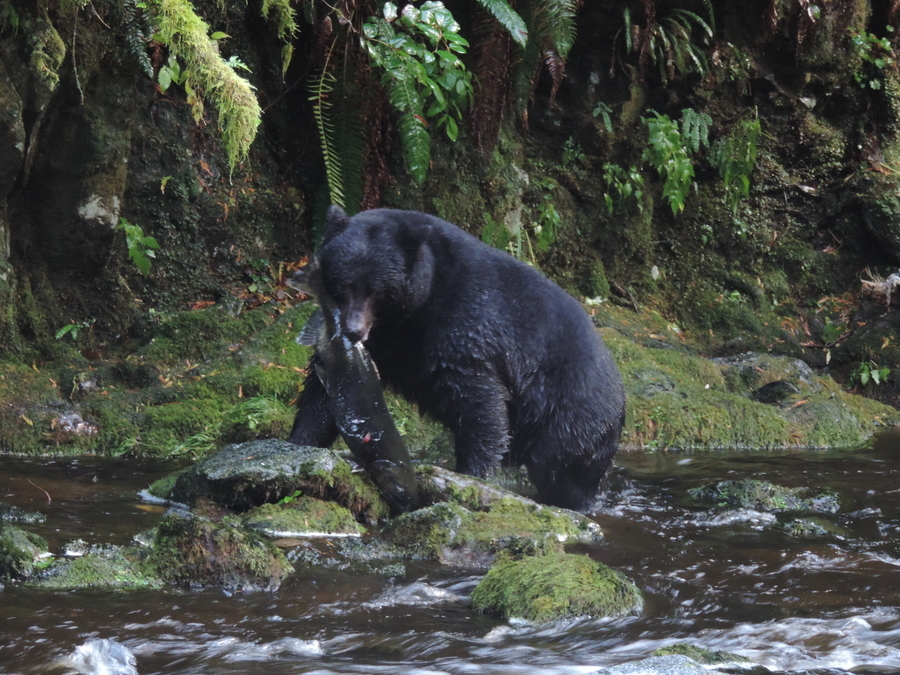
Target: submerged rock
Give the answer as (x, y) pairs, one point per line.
(22, 554)
(763, 496)
(454, 535)
(13, 514)
(557, 586)
(671, 664)
(101, 566)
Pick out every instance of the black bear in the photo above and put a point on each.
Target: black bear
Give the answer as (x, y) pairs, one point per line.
(507, 360)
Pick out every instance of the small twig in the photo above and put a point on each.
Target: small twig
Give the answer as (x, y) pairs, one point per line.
(41, 489)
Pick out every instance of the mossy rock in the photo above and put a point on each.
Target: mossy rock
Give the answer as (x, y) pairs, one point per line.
(245, 475)
(22, 554)
(454, 535)
(700, 655)
(556, 586)
(192, 550)
(303, 517)
(437, 485)
(101, 567)
(763, 496)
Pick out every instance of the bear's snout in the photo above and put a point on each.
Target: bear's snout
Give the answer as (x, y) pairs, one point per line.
(356, 320)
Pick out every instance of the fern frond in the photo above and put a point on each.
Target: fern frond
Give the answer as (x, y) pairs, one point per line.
(508, 18)
(349, 108)
(413, 132)
(322, 88)
(135, 31)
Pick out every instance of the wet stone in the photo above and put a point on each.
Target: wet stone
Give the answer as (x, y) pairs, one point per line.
(13, 514)
(774, 393)
(763, 496)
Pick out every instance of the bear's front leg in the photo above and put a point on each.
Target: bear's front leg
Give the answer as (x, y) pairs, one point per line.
(474, 407)
(313, 424)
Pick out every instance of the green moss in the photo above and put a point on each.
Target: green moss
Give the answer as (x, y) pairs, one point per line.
(553, 587)
(305, 515)
(111, 568)
(764, 496)
(22, 553)
(197, 551)
(207, 73)
(451, 533)
(700, 655)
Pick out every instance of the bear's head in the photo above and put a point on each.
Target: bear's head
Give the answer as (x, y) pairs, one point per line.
(375, 264)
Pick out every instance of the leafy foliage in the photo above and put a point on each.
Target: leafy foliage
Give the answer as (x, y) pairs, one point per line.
(735, 158)
(695, 130)
(322, 88)
(604, 112)
(622, 184)
(286, 21)
(140, 247)
(208, 74)
(417, 52)
(867, 371)
(667, 154)
(876, 53)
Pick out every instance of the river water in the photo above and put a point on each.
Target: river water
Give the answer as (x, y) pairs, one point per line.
(723, 580)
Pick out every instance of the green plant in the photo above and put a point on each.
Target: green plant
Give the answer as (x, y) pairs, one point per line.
(866, 371)
(140, 247)
(572, 152)
(878, 53)
(291, 498)
(549, 220)
(695, 130)
(604, 112)
(417, 52)
(74, 329)
(667, 154)
(286, 26)
(622, 184)
(735, 158)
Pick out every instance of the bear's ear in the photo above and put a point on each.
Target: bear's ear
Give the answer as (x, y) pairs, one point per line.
(335, 222)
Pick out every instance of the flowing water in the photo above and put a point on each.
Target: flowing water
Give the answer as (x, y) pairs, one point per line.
(723, 580)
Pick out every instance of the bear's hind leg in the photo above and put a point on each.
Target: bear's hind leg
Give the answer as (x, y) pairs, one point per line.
(313, 424)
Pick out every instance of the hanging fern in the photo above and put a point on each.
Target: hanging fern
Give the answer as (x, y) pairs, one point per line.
(322, 88)
(508, 18)
(136, 31)
(551, 34)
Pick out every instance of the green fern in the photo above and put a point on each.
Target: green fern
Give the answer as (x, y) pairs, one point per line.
(322, 88)
(508, 18)
(135, 35)
(695, 130)
(551, 34)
